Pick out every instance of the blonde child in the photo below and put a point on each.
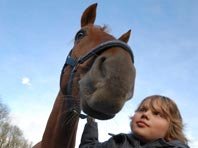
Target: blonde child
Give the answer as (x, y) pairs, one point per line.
(157, 123)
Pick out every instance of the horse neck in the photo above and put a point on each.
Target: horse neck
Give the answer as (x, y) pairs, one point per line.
(62, 124)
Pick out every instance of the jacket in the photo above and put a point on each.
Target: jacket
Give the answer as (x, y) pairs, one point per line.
(89, 139)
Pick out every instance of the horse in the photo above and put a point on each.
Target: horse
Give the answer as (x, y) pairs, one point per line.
(98, 77)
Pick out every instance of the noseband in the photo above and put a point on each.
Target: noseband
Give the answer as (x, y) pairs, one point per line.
(95, 51)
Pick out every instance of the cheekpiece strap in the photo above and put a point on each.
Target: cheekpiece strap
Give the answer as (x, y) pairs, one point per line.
(70, 61)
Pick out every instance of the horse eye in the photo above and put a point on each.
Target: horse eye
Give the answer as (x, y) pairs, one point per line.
(80, 34)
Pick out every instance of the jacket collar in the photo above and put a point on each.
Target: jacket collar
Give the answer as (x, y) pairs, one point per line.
(156, 143)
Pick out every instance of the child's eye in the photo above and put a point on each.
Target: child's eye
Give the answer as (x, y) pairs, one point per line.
(156, 113)
(142, 109)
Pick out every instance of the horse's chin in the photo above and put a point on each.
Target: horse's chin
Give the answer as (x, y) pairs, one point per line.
(95, 114)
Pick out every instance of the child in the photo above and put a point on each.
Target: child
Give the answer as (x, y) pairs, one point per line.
(156, 123)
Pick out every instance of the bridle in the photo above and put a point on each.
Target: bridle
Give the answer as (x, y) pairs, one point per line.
(74, 63)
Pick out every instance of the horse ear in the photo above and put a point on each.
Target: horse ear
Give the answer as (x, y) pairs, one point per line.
(125, 37)
(89, 15)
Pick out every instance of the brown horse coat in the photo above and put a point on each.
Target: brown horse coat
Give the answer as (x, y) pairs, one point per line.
(100, 85)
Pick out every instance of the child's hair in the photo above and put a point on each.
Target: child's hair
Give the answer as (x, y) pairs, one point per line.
(171, 113)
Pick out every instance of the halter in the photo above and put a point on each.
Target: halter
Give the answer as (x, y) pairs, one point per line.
(95, 51)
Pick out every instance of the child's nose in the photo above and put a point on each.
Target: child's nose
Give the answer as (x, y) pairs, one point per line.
(146, 115)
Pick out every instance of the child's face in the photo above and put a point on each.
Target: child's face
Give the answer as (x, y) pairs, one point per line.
(148, 124)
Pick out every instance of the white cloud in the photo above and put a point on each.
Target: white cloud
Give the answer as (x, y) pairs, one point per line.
(26, 81)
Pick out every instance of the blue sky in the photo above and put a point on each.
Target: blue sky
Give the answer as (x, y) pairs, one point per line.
(36, 36)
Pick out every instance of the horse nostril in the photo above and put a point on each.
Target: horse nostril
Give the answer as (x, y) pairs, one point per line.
(101, 66)
(103, 59)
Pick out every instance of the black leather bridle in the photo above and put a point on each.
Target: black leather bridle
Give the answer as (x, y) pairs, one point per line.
(95, 51)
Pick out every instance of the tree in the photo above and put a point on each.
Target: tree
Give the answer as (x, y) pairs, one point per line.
(4, 130)
(4, 112)
(11, 136)
(4, 125)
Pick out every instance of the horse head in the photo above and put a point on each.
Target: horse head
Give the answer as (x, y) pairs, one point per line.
(102, 66)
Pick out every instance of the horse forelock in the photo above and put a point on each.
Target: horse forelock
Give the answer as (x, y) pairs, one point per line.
(104, 28)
